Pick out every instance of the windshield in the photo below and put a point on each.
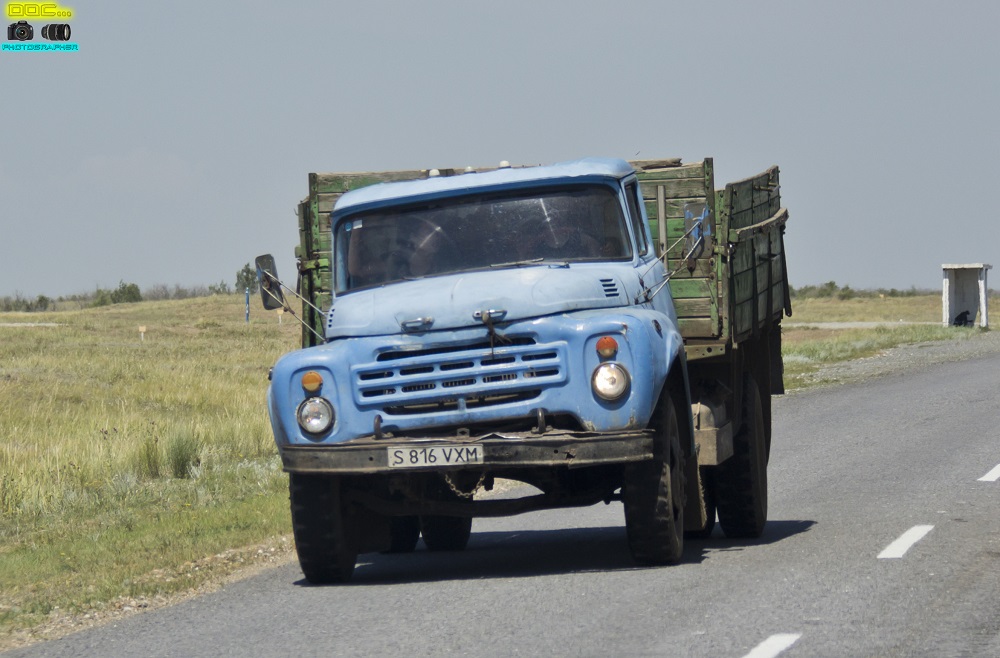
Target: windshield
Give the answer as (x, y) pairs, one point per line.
(520, 227)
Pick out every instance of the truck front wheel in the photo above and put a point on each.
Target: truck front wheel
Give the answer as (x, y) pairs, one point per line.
(741, 481)
(654, 500)
(324, 538)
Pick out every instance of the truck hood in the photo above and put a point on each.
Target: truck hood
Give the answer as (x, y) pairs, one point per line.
(459, 300)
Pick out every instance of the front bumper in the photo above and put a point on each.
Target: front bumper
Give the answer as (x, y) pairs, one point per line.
(500, 452)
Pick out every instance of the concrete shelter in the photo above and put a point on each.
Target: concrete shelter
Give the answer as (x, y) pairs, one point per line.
(965, 294)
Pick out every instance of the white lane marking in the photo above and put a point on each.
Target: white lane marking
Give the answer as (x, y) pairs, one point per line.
(992, 476)
(773, 645)
(899, 547)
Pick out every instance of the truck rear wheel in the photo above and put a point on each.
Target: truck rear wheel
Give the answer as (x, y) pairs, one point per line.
(323, 537)
(741, 482)
(708, 495)
(654, 500)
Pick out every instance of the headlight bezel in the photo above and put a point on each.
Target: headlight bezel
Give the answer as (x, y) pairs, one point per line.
(315, 409)
(611, 381)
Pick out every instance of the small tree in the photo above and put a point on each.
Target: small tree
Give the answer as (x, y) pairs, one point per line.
(126, 293)
(247, 278)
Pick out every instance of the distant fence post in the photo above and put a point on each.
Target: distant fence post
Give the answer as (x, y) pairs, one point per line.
(248, 305)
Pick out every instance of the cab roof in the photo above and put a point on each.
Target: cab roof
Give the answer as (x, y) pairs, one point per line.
(381, 194)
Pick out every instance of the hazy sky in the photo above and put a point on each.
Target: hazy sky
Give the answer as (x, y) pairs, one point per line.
(173, 147)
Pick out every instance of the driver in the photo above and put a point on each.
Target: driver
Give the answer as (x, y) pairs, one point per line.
(373, 256)
(429, 241)
(560, 236)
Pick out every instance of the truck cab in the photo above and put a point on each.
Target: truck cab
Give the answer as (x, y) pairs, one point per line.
(476, 302)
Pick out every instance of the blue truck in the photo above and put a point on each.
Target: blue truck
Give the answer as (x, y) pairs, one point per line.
(601, 330)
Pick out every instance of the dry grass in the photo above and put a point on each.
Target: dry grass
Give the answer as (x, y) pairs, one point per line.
(917, 308)
(121, 455)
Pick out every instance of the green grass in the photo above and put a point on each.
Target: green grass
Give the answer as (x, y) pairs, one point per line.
(124, 456)
(908, 319)
(805, 351)
(127, 463)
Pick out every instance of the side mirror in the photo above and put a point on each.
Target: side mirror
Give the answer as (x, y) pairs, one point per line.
(267, 280)
(698, 229)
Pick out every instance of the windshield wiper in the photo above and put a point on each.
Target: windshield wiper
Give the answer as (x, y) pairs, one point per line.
(533, 261)
(519, 263)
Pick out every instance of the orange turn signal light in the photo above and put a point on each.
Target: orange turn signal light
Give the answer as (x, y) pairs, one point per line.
(607, 347)
(312, 381)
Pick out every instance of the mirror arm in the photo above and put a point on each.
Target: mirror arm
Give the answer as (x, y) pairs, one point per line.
(281, 300)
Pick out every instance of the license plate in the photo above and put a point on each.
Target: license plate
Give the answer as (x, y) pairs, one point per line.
(434, 456)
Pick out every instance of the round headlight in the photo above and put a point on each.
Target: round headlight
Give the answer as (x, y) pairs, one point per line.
(315, 415)
(610, 381)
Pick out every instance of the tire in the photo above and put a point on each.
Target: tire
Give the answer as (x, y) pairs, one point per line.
(404, 532)
(741, 485)
(707, 476)
(654, 500)
(446, 533)
(324, 538)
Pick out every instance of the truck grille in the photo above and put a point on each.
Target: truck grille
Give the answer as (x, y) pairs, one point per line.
(459, 377)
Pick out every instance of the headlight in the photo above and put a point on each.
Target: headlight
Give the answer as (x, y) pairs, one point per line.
(315, 415)
(610, 381)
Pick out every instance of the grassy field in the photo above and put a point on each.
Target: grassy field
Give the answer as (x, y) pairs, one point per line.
(134, 467)
(126, 458)
(908, 319)
(917, 308)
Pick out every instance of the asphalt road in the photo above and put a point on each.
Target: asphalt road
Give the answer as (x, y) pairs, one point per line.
(883, 540)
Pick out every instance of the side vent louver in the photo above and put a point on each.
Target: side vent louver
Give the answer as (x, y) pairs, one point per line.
(610, 287)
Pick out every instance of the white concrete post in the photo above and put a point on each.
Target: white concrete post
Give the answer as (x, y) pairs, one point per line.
(984, 298)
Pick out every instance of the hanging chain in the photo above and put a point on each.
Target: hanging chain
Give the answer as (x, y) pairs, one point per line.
(455, 490)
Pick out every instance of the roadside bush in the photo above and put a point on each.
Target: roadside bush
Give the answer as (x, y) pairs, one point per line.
(147, 459)
(220, 288)
(20, 304)
(183, 453)
(830, 290)
(127, 293)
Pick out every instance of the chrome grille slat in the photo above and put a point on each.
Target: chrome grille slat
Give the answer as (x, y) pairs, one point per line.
(457, 377)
